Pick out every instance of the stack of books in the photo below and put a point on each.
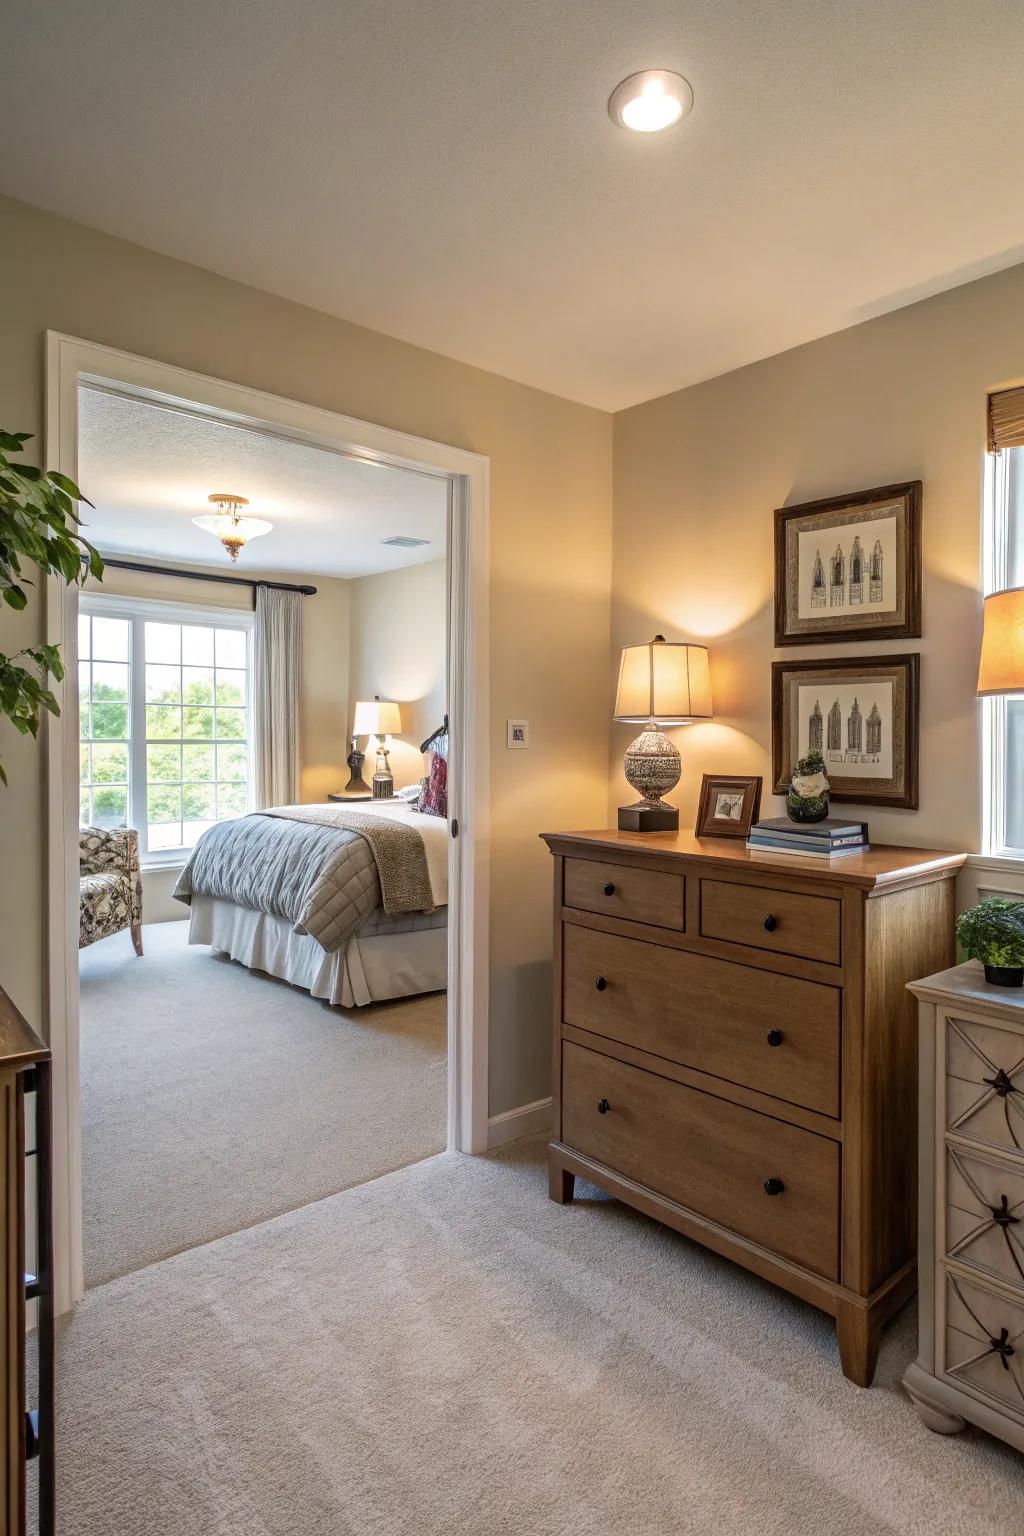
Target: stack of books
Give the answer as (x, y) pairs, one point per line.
(829, 839)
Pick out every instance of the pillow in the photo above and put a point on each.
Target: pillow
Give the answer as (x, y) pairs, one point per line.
(435, 796)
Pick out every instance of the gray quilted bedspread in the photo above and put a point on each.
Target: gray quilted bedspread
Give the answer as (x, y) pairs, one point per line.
(322, 879)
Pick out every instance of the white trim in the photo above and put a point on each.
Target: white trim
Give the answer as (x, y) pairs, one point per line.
(524, 1121)
(71, 362)
(1007, 863)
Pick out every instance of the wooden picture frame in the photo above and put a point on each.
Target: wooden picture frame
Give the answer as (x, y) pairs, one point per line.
(729, 805)
(849, 567)
(873, 723)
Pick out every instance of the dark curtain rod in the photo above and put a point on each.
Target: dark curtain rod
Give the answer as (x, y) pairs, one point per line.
(228, 581)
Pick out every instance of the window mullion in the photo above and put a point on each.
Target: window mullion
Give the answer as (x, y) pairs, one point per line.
(137, 792)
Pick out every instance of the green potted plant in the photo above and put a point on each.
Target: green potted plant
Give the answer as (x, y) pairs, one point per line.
(993, 932)
(38, 526)
(807, 798)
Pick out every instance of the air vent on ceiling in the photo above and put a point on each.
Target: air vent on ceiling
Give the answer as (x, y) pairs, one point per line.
(403, 541)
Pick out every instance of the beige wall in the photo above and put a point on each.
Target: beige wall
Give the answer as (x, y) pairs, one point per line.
(398, 648)
(323, 706)
(698, 473)
(550, 564)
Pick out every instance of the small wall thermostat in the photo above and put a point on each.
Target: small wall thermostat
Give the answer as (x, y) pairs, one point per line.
(518, 733)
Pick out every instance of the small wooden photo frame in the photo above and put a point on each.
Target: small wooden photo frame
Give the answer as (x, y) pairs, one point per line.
(729, 805)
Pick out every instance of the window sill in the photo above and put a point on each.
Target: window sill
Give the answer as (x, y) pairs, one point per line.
(168, 867)
(1005, 862)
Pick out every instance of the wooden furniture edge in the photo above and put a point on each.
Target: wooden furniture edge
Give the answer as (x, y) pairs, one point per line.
(621, 847)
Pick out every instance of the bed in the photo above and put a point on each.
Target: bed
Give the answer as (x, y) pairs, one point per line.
(349, 902)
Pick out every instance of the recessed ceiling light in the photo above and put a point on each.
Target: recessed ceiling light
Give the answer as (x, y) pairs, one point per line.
(651, 100)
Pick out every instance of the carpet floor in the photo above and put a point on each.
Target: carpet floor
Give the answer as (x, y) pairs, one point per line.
(443, 1352)
(214, 1097)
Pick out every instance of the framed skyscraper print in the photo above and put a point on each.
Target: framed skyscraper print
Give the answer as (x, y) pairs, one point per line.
(860, 714)
(849, 568)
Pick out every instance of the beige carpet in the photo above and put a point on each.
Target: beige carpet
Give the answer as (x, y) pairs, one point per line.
(443, 1352)
(214, 1097)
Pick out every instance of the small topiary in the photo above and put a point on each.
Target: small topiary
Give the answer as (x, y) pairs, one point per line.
(993, 932)
(807, 799)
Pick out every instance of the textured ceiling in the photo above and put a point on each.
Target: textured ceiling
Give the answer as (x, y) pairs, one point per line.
(149, 471)
(446, 172)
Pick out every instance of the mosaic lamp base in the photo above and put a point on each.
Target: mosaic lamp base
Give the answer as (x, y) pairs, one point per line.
(652, 766)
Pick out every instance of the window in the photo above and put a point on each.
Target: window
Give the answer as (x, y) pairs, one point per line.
(1004, 716)
(165, 737)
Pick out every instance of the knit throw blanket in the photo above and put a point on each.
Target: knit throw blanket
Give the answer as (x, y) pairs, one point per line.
(397, 850)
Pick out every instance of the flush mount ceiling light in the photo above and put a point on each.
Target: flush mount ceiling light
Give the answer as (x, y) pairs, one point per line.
(650, 101)
(228, 524)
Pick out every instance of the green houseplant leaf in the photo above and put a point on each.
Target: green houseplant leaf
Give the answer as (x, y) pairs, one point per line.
(993, 932)
(38, 528)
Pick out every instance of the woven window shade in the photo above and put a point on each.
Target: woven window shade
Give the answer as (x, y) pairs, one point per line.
(1006, 420)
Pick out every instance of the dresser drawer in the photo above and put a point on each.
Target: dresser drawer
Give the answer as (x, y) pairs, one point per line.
(619, 890)
(985, 1214)
(708, 1155)
(985, 1083)
(984, 1343)
(767, 1031)
(766, 918)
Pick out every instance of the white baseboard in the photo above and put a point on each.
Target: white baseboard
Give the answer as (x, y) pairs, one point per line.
(523, 1121)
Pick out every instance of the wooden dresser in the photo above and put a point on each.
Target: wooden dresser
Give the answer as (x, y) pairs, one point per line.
(736, 1053)
(970, 1363)
(25, 1434)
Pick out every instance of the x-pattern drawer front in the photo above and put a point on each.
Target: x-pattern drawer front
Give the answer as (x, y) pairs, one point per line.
(985, 1083)
(985, 1214)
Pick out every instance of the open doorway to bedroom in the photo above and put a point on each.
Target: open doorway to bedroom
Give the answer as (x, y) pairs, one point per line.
(264, 834)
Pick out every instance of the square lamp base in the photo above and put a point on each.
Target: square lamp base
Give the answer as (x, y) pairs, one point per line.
(648, 818)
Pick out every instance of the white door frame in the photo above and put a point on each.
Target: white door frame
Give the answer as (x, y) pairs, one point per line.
(69, 362)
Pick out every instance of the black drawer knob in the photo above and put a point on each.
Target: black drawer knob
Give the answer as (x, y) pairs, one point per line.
(600, 983)
(775, 1037)
(771, 923)
(609, 888)
(773, 1186)
(603, 1106)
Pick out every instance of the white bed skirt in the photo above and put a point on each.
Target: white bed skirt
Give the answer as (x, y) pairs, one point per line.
(369, 969)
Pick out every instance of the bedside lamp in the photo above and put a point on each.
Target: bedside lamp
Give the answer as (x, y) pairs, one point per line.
(379, 718)
(662, 683)
(1002, 645)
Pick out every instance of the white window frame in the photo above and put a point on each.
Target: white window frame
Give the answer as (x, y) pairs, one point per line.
(165, 611)
(996, 577)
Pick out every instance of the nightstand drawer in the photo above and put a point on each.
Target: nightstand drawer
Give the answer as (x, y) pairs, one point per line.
(773, 1183)
(619, 890)
(985, 1214)
(767, 1031)
(984, 1343)
(985, 1083)
(766, 918)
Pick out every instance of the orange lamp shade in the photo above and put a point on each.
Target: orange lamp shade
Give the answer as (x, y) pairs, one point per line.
(1002, 645)
(665, 681)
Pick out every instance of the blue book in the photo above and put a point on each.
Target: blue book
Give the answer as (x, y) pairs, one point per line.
(826, 831)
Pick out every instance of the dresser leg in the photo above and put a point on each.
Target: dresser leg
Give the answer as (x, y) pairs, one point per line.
(560, 1184)
(860, 1337)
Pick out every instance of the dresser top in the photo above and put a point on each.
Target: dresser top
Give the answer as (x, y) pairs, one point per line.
(881, 866)
(19, 1044)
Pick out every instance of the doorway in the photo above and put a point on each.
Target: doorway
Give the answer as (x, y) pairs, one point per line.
(461, 478)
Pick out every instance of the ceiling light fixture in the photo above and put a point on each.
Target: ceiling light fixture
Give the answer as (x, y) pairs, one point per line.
(650, 101)
(228, 524)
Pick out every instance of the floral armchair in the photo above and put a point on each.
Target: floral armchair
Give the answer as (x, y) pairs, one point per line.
(110, 885)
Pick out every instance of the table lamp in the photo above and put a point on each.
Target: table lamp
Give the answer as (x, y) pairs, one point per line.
(1002, 645)
(379, 718)
(661, 683)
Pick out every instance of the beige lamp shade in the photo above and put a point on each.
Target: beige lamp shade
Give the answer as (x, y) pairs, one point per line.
(1002, 645)
(665, 681)
(377, 717)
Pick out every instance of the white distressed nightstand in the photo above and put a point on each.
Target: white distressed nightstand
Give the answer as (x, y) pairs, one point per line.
(970, 1363)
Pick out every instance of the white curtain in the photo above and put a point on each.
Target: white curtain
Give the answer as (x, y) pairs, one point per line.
(276, 682)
